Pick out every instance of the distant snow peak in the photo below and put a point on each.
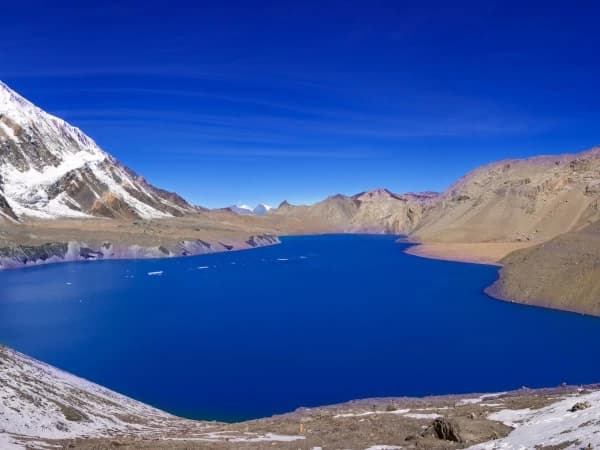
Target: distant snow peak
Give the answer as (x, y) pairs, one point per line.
(51, 169)
(262, 209)
(245, 210)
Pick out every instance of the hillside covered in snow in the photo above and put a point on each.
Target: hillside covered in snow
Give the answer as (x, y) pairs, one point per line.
(50, 169)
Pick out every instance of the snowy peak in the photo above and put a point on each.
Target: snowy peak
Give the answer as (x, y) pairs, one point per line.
(51, 169)
(245, 210)
(261, 209)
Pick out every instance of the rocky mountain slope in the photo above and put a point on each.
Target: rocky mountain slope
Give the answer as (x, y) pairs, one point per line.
(531, 199)
(43, 407)
(376, 211)
(51, 169)
(40, 404)
(548, 206)
(563, 273)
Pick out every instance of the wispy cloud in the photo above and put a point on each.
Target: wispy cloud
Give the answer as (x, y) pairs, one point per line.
(341, 125)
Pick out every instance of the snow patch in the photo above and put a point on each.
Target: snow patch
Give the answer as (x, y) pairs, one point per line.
(8, 131)
(383, 447)
(551, 425)
(420, 416)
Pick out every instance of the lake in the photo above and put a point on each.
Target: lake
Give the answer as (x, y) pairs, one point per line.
(313, 321)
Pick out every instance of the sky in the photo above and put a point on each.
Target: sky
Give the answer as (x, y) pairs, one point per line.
(256, 102)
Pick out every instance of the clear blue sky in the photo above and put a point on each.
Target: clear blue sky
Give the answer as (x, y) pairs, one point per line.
(230, 102)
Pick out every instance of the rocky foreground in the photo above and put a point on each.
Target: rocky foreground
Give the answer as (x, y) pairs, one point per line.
(42, 407)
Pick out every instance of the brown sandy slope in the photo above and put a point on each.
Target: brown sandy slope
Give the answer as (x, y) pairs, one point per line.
(472, 252)
(532, 199)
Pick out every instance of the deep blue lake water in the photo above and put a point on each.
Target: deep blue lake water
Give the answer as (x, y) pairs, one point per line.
(313, 321)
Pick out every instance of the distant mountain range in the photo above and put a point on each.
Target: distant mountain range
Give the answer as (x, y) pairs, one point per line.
(245, 210)
(375, 211)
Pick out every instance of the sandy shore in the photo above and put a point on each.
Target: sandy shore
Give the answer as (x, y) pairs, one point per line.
(477, 253)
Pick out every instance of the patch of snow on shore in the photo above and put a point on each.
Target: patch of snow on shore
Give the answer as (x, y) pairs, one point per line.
(384, 447)
(553, 425)
(423, 416)
(476, 400)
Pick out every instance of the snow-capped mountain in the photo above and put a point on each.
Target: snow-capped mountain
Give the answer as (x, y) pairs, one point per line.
(245, 210)
(261, 209)
(50, 169)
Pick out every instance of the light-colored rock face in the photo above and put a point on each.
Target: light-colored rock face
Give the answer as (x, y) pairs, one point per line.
(377, 211)
(517, 200)
(51, 169)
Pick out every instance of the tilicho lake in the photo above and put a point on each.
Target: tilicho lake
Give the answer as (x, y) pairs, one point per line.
(313, 321)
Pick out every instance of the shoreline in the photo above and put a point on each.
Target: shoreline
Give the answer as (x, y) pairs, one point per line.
(495, 293)
(77, 251)
(385, 420)
(486, 253)
(106, 419)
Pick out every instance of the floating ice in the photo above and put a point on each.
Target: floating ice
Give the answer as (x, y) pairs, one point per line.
(156, 273)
